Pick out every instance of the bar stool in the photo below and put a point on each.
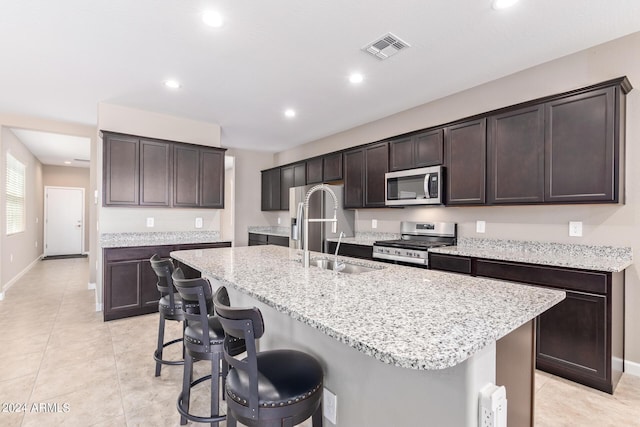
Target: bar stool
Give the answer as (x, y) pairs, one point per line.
(169, 307)
(203, 340)
(268, 388)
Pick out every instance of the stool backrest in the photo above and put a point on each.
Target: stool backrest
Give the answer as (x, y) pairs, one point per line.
(197, 301)
(241, 323)
(164, 269)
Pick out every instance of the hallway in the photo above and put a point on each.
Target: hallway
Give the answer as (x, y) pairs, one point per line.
(57, 351)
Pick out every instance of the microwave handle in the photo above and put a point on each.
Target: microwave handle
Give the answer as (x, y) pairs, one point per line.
(426, 186)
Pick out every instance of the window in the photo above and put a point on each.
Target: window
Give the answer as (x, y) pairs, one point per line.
(15, 195)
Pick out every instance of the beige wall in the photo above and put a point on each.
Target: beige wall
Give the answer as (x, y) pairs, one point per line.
(64, 176)
(248, 165)
(20, 249)
(617, 225)
(9, 273)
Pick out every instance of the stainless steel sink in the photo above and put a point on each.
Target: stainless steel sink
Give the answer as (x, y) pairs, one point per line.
(348, 268)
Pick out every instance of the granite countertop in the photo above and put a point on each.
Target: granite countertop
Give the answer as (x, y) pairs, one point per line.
(366, 238)
(586, 257)
(121, 240)
(270, 230)
(403, 316)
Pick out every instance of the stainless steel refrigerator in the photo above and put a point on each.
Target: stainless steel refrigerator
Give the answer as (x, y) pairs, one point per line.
(320, 206)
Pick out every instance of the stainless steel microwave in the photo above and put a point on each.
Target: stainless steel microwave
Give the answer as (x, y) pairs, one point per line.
(421, 186)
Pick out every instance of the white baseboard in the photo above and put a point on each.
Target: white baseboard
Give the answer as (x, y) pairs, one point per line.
(91, 286)
(18, 276)
(632, 368)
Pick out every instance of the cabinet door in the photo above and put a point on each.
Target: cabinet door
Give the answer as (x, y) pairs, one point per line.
(300, 174)
(211, 178)
(466, 152)
(402, 154)
(571, 338)
(332, 167)
(354, 179)
(516, 156)
(149, 294)
(155, 173)
(121, 288)
(428, 148)
(286, 182)
(314, 171)
(186, 174)
(376, 165)
(579, 148)
(271, 189)
(121, 170)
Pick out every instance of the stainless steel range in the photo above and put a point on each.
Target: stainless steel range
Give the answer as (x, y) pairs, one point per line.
(416, 239)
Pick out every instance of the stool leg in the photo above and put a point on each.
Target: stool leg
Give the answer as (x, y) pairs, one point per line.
(186, 386)
(225, 371)
(160, 344)
(231, 422)
(316, 418)
(215, 388)
(287, 422)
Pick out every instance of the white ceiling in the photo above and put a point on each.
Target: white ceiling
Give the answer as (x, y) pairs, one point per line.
(56, 149)
(60, 58)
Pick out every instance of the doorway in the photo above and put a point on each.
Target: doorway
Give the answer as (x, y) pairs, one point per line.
(63, 221)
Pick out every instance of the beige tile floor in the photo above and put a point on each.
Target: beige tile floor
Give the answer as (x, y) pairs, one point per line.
(55, 349)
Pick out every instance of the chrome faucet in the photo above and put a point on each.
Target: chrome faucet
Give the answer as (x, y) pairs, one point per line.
(334, 227)
(337, 265)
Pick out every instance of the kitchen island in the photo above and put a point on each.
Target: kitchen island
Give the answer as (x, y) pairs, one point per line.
(399, 346)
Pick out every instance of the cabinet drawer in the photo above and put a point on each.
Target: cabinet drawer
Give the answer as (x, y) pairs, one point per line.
(136, 253)
(582, 281)
(455, 264)
(258, 238)
(278, 241)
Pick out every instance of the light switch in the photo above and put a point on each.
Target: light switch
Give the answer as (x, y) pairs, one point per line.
(150, 221)
(199, 222)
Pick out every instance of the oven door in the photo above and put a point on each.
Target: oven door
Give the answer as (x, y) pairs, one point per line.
(414, 187)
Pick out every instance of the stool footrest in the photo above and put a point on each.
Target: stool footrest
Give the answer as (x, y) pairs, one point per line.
(196, 418)
(157, 358)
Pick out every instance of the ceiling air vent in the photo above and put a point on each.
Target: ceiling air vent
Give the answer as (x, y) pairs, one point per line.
(386, 46)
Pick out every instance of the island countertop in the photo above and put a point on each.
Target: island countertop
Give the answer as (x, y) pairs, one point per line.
(403, 316)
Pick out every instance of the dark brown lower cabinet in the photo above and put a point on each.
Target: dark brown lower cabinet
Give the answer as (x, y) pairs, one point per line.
(347, 249)
(129, 282)
(256, 239)
(582, 337)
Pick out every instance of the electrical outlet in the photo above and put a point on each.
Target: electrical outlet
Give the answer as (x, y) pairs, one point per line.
(11, 258)
(279, 220)
(492, 411)
(150, 222)
(374, 223)
(575, 228)
(198, 222)
(329, 406)
(480, 226)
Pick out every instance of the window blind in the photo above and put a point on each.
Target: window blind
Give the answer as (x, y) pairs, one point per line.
(15, 195)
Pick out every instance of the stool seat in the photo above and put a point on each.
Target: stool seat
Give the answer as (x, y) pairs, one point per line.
(194, 333)
(285, 377)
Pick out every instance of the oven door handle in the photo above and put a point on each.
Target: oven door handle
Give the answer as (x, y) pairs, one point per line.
(426, 186)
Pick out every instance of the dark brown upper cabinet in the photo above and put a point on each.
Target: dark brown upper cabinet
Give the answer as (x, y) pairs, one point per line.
(332, 167)
(155, 173)
(416, 151)
(314, 170)
(142, 171)
(581, 149)
(465, 155)
(515, 160)
(291, 176)
(121, 170)
(376, 160)
(271, 190)
(354, 178)
(197, 177)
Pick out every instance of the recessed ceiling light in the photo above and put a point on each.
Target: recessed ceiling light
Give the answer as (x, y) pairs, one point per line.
(356, 78)
(213, 19)
(173, 84)
(503, 4)
(290, 113)
(67, 162)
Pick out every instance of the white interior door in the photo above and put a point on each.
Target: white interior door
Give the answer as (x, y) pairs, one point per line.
(64, 221)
